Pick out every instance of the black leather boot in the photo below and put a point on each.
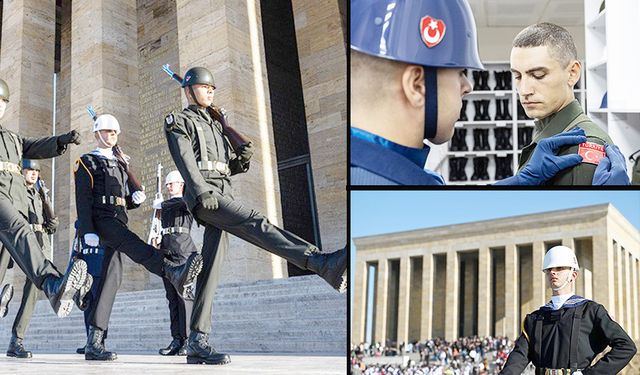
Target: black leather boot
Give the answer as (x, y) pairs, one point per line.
(462, 140)
(485, 140)
(454, 140)
(476, 140)
(174, 347)
(498, 116)
(498, 76)
(521, 114)
(507, 167)
(199, 351)
(16, 349)
(485, 110)
(463, 112)
(332, 267)
(183, 348)
(477, 104)
(484, 84)
(520, 138)
(505, 109)
(506, 80)
(484, 175)
(5, 298)
(453, 175)
(476, 80)
(476, 169)
(95, 350)
(462, 173)
(61, 290)
(507, 134)
(80, 350)
(497, 133)
(184, 276)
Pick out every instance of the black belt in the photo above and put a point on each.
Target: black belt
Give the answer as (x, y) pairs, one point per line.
(555, 371)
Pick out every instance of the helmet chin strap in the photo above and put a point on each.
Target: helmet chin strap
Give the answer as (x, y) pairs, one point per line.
(102, 141)
(565, 283)
(431, 102)
(193, 95)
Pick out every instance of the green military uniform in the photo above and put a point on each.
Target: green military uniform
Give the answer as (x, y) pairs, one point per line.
(635, 176)
(566, 119)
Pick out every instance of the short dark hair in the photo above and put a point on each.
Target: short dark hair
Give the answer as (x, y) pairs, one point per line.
(557, 38)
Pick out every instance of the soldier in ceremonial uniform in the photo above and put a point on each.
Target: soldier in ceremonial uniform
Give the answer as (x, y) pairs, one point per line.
(565, 335)
(176, 245)
(104, 193)
(42, 224)
(205, 159)
(16, 234)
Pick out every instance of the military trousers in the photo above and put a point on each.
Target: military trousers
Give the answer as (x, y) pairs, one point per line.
(179, 311)
(22, 244)
(249, 225)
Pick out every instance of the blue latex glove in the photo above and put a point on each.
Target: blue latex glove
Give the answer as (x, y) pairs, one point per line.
(544, 163)
(612, 169)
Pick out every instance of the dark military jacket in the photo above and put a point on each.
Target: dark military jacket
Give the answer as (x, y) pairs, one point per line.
(184, 145)
(597, 331)
(95, 177)
(175, 214)
(36, 216)
(557, 123)
(13, 148)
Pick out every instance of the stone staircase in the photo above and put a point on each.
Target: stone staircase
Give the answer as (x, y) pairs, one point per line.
(294, 315)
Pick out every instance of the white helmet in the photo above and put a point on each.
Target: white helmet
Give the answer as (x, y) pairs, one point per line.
(106, 122)
(560, 256)
(173, 176)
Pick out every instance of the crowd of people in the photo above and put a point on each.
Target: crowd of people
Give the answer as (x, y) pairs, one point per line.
(464, 356)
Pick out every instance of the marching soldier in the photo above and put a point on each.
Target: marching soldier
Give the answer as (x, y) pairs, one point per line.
(104, 193)
(42, 223)
(565, 335)
(176, 245)
(203, 155)
(15, 231)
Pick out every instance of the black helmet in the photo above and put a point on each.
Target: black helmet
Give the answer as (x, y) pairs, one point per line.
(30, 164)
(4, 90)
(198, 75)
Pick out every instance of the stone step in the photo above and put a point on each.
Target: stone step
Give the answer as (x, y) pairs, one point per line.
(297, 315)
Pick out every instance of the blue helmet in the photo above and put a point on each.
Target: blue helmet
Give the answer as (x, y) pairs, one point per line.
(434, 33)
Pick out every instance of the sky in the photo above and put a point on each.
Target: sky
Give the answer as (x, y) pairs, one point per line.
(377, 212)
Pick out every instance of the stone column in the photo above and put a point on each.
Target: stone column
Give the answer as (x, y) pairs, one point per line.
(27, 66)
(511, 291)
(226, 37)
(104, 73)
(322, 53)
(539, 282)
(360, 301)
(618, 271)
(380, 330)
(603, 272)
(634, 302)
(484, 292)
(403, 299)
(426, 322)
(627, 287)
(568, 242)
(452, 307)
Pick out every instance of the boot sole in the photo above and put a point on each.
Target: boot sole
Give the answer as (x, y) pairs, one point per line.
(75, 280)
(100, 359)
(340, 282)
(192, 274)
(82, 292)
(17, 356)
(7, 294)
(200, 361)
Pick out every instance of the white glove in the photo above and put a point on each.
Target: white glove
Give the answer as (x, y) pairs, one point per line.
(138, 197)
(157, 204)
(91, 239)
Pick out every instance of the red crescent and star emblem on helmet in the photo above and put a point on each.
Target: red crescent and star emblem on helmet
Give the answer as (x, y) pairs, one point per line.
(432, 30)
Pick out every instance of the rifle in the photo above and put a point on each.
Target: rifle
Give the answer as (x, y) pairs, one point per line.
(46, 202)
(121, 156)
(155, 233)
(236, 139)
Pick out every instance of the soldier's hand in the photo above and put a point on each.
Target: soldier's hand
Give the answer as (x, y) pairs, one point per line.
(246, 152)
(612, 169)
(157, 204)
(138, 197)
(91, 240)
(208, 201)
(70, 137)
(51, 225)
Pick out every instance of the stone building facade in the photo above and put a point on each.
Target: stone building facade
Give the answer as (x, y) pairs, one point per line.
(109, 54)
(482, 278)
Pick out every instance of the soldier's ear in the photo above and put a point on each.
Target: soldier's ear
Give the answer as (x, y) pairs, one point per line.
(413, 85)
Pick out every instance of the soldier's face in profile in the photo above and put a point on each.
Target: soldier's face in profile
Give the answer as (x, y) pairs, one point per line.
(30, 176)
(3, 107)
(204, 94)
(175, 188)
